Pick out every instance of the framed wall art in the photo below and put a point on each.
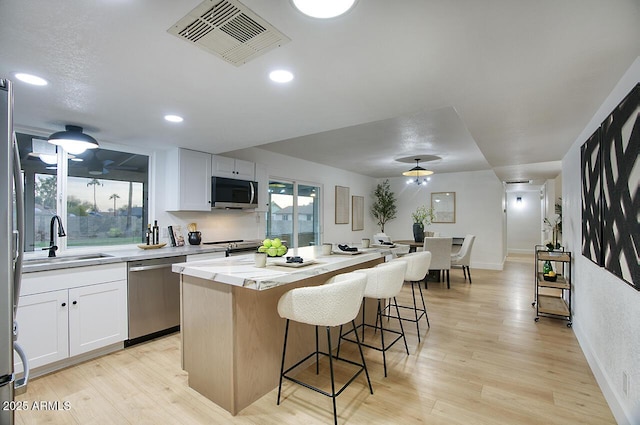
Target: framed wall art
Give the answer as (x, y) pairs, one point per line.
(357, 212)
(342, 205)
(444, 207)
(620, 138)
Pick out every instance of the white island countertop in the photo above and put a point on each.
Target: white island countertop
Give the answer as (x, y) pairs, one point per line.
(241, 271)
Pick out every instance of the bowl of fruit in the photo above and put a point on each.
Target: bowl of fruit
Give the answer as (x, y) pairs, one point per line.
(550, 276)
(273, 247)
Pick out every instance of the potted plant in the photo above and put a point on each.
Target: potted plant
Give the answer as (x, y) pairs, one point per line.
(422, 216)
(554, 225)
(384, 205)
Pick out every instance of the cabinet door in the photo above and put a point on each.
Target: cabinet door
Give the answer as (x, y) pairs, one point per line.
(262, 177)
(195, 181)
(42, 328)
(223, 167)
(97, 316)
(232, 168)
(245, 170)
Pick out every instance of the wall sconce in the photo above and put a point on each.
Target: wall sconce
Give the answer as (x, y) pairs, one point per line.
(519, 200)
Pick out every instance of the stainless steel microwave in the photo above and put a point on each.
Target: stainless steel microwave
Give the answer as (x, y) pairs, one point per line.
(233, 193)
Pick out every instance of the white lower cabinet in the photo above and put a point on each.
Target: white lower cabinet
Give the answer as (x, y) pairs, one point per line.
(43, 327)
(64, 323)
(97, 316)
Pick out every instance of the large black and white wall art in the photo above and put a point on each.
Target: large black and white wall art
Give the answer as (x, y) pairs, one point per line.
(620, 148)
(591, 159)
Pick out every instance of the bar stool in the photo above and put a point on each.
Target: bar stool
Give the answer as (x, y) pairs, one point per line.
(417, 268)
(333, 304)
(383, 282)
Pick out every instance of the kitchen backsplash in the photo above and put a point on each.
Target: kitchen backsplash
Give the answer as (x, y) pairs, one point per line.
(217, 225)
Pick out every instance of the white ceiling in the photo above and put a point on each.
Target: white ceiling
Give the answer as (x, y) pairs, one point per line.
(485, 84)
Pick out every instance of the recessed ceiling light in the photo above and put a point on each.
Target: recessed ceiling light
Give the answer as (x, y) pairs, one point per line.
(281, 76)
(31, 79)
(323, 9)
(173, 118)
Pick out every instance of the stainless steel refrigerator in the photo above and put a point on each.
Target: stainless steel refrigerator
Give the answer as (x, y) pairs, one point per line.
(11, 253)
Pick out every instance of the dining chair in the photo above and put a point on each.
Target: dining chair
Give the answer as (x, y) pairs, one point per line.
(440, 249)
(335, 303)
(463, 257)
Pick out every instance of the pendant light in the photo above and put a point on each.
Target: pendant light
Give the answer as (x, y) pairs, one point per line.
(73, 140)
(416, 173)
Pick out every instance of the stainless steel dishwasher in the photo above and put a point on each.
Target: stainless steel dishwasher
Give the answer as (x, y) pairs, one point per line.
(154, 298)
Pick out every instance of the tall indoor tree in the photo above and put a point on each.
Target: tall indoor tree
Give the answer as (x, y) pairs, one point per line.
(384, 206)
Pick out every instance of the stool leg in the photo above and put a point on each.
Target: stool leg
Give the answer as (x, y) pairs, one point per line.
(464, 272)
(284, 350)
(448, 285)
(318, 352)
(424, 306)
(469, 273)
(364, 304)
(406, 347)
(384, 351)
(339, 340)
(415, 308)
(364, 364)
(333, 383)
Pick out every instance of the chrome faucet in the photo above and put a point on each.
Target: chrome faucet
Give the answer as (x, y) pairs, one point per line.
(53, 248)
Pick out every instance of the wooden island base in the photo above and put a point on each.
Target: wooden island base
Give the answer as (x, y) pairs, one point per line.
(232, 337)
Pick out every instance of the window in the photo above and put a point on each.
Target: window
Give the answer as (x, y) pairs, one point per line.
(294, 213)
(104, 194)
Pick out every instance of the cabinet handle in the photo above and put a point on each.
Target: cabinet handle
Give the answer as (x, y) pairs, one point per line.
(75, 302)
(64, 304)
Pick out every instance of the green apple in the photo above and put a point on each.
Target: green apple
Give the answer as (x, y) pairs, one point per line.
(262, 249)
(282, 250)
(266, 243)
(276, 242)
(272, 251)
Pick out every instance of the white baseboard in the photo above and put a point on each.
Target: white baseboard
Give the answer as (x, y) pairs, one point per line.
(620, 413)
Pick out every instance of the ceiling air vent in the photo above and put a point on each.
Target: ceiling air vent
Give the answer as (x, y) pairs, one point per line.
(229, 30)
(518, 182)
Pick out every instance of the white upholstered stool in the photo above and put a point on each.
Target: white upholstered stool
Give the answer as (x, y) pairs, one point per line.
(417, 268)
(333, 304)
(383, 282)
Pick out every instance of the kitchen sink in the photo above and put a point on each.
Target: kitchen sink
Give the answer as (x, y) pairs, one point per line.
(63, 259)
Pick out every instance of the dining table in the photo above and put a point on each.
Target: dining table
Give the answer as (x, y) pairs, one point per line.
(456, 244)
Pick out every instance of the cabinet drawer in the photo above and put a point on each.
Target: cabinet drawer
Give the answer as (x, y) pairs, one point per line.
(54, 280)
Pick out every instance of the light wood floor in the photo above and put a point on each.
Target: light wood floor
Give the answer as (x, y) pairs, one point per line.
(484, 361)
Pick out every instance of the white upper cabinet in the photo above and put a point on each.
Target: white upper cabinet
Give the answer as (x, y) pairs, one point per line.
(262, 177)
(233, 168)
(188, 180)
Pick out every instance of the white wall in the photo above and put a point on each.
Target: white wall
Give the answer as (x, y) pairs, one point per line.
(606, 309)
(234, 224)
(523, 221)
(479, 211)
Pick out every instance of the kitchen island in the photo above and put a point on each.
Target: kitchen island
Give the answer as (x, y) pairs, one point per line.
(231, 331)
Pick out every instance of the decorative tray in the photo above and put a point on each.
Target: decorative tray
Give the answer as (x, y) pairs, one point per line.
(379, 245)
(346, 252)
(153, 246)
(295, 265)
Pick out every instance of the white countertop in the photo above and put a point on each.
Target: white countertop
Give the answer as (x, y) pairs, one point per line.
(241, 271)
(32, 261)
